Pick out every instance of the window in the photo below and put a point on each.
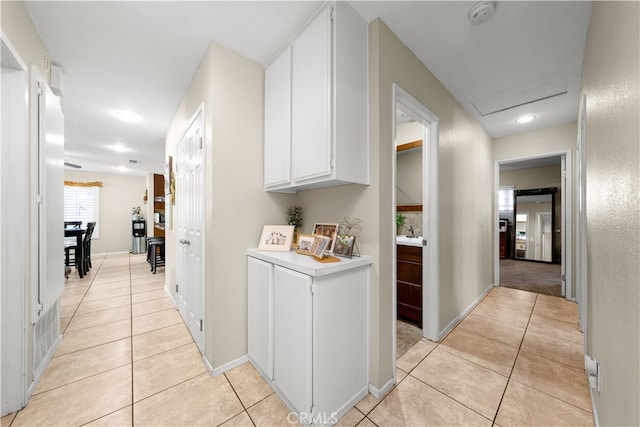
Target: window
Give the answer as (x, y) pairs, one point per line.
(81, 204)
(505, 199)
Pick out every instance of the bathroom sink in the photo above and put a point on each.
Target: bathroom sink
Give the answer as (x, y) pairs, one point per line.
(409, 241)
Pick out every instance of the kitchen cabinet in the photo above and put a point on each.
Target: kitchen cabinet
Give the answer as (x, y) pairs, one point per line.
(409, 283)
(307, 331)
(316, 105)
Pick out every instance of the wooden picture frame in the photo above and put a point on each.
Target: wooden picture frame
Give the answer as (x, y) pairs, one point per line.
(305, 242)
(276, 238)
(328, 230)
(319, 246)
(344, 245)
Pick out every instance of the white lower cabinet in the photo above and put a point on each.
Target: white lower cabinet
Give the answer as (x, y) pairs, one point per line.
(308, 328)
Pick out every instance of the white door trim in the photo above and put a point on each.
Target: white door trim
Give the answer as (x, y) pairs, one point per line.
(581, 219)
(14, 269)
(566, 196)
(430, 287)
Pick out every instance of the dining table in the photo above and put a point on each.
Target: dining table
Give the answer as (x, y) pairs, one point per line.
(77, 232)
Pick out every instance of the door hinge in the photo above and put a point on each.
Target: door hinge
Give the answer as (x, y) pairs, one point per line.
(39, 88)
(200, 142)
(332, 13)
(564, 278)
(331, 162)
(200, 322)
(424, 242)
(176, 288)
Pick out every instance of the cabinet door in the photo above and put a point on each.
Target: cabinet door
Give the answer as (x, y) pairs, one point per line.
(292, 336)
(260, 320)
(311, 100)
(277, 121)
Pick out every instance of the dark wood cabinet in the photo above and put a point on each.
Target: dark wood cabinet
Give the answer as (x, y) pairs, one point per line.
(158, 205)
(409, 283)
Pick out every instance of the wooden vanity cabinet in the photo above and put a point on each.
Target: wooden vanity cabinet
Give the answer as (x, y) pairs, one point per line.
(409, 283)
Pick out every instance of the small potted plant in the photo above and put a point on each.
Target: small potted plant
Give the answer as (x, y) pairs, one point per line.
(400, 221)
(294, 217)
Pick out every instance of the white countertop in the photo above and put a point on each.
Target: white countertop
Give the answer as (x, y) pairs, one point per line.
(409, 241)
(308, 264)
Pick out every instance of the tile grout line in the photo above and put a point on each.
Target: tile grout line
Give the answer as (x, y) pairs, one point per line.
(244, 408)
(515, 361)
(131, 340)
(83, 297)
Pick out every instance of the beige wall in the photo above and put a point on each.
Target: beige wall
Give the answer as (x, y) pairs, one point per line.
(17, 25)
(118, 195)
(231, 89)
(537, 143)
(465, 195)
(611, 83)
(531, 178)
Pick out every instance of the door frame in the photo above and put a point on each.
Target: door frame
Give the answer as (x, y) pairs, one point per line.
(15, 390)
(566, 217)
(430, 270)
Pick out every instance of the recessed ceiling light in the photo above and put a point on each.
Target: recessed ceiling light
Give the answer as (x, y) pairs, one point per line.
(128, 116)
(121, 169)
(120, 148)
(525, 119)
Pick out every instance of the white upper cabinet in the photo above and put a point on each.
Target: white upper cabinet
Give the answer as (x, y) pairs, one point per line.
(277, 121)
(316, 105)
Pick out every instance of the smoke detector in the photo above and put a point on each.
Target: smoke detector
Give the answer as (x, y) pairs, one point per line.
(481, 11)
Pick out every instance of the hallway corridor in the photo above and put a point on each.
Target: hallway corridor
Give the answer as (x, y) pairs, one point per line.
(127, 359)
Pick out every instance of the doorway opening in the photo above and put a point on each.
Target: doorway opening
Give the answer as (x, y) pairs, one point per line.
(415, 208)
(533, 244)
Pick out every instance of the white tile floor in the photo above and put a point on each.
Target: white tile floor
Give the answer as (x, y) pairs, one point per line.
(515, 360)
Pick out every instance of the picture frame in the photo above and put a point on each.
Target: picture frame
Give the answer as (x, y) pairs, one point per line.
(305, 242)
(276, 238)
(329, 230)
(344, 245)
(319, 246)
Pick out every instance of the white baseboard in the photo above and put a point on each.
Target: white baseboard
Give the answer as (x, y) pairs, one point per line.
(173, 301)
(379, 393)
(462, 315)
(214, 372)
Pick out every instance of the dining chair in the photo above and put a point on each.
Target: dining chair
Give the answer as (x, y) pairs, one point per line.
(86, 246)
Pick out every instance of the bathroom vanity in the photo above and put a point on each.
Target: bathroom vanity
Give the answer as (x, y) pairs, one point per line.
(409, 279)
(308, 329)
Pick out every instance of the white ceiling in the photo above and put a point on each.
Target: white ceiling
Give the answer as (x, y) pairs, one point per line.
(140, 56)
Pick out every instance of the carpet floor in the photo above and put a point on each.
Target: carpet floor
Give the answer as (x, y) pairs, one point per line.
(531, 276)
(407, 335)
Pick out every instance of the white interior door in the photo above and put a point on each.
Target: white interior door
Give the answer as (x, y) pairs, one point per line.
(190, 228)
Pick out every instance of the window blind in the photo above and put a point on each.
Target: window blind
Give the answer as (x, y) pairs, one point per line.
(81, 204)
